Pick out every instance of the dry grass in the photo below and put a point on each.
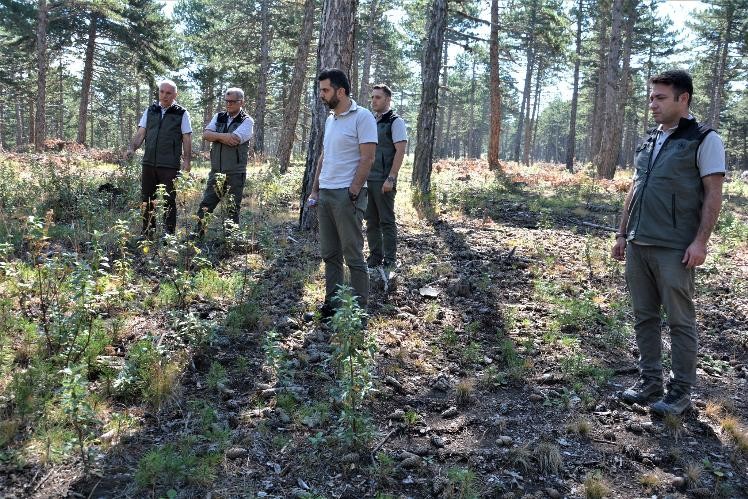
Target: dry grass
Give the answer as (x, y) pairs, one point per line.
(673, 425)
(520, 458)
(581, 427)
(595, 487)
(464, 392)
(548, 457)
(649, 480)
(692, 474)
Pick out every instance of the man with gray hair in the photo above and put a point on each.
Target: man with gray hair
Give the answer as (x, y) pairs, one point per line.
(165, 127)
(229, 132)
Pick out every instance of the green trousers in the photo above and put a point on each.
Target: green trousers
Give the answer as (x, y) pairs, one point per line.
(656, 278)
(231, 192)
(341, 236)
(381, 230)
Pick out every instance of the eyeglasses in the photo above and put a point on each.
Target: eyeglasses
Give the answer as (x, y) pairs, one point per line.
(230, 101)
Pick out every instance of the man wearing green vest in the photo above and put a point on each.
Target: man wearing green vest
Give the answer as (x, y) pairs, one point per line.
(668, 217)
(229, 132)
(165, 127)
(339, 190)
(381, 231)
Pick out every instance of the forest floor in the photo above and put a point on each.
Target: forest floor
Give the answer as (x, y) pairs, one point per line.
(498, 356)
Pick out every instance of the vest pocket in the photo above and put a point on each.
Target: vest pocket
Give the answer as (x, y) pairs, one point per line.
(675, 225)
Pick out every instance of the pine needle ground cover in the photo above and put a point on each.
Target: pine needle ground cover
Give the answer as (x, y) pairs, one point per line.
(177, 368)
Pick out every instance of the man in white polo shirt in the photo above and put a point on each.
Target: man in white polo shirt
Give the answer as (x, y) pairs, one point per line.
(348, 149)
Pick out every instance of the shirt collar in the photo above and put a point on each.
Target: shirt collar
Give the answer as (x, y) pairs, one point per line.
(351, 109)
(671, 130)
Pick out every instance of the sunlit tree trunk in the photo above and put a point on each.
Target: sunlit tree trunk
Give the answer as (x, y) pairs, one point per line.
(335, 50)
(572, 141)
(88, 65)
(363, 93)
(262, 80)
(431, 60)
(295, 93)
(495, 90)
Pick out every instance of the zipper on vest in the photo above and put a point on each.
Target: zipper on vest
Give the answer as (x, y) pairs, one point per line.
(650, 167)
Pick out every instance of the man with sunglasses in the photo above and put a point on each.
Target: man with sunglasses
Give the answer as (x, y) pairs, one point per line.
(229, 132)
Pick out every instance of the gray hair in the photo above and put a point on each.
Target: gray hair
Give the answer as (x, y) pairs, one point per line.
(236, 92)
(167, 82)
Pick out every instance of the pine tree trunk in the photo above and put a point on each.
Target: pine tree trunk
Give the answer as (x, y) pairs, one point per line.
(719, 83)
(441, 146)
(645, 119)
(19, 122)
(610, 144)
(525, 107)
(572, 140)
(431, 60)
(448, 146)
(363, 94)
(495, 90)
(87, 78)
(262, 80)
(40, 128)
(470, 128)
(530, 66)
(208, 103)
(3, 140)
(596, 117)
(31, 137)
(291, 110)
(335, 50)
(61, 103)
(532, 118)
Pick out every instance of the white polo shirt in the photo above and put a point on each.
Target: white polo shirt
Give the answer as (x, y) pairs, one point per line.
(343, 134)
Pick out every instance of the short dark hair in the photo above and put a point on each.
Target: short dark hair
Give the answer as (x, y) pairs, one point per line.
(337, 78)
(680, 80)
(384, 88)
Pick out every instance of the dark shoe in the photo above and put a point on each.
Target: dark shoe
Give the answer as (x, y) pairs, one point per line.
(644, 391)
(326, 311)
(675, 402)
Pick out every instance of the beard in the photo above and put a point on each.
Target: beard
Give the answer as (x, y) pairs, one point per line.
(333, 102)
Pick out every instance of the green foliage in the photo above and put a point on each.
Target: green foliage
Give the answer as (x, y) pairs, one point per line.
(461, 484)
(353, 355)
(75, 405)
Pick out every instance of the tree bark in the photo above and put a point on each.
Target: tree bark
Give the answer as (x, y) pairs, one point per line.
(295, 94)
(470, 128)
(645, 119)
(608, 150)
(87, 78)
(596, 118)
(19, 121)
(530, 66)
(40, 129)
(365, 72)
(431, 59)
(262, 80)
(572, 141)
(532, 119)
(495, 91)
(61, 103)
(3, 143)
(719, 84)
(441, 141)
(335, 50)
